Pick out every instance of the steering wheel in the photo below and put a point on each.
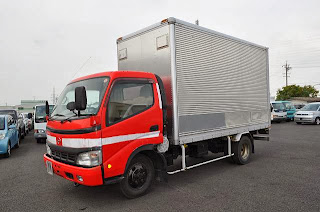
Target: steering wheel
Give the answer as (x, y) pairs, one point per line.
(126, 114)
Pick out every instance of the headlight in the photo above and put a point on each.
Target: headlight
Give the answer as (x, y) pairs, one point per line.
(2, 136)
(92, 158)
(48, 149)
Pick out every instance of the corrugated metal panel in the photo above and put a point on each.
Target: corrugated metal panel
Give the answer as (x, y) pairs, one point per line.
(218, 75)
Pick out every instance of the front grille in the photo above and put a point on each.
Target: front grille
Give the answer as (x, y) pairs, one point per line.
(64, 157)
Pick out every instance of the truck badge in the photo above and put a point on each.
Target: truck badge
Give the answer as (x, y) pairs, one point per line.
(59, 141)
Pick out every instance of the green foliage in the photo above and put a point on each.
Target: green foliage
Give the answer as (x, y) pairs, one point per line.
(290, 91)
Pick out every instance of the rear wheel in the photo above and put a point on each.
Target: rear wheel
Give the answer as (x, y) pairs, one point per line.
(8, 154)
(317, 121)
(242, 150)
(138, 177)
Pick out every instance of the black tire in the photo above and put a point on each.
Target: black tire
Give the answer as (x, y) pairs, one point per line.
(298, 122)
(242, 150)
(138, 177)
(8, 154)
(317, 121)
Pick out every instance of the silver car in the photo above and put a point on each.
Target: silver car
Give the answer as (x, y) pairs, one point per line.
(308, 114)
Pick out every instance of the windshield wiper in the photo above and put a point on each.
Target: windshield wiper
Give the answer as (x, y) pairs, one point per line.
(60, 115)
(69, 118)
(57, 115)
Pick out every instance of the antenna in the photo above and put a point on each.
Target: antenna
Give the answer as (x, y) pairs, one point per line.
(82, 66)
(197, 22)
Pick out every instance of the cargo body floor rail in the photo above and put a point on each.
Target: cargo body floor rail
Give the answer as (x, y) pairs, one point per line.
(183, 159)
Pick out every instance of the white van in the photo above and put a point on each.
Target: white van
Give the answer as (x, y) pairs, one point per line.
(40, 122)
(278, 112)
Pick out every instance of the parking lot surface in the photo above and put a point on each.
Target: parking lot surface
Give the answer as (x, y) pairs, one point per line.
(283, 175)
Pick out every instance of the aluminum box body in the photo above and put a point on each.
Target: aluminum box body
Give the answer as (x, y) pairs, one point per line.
(216, 85)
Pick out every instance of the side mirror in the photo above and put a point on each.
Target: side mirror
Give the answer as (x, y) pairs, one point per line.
(29, 115)
(47, 108)
(271, 109)
(71, 106)
(81, 98)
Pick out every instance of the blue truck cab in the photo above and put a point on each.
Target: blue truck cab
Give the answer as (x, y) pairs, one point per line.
(9, 135)
(291, 110)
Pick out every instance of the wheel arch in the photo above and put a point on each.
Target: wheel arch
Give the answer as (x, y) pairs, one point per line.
(158, 160)
(237, 138)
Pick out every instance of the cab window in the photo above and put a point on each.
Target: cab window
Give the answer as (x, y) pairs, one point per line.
(129, 98)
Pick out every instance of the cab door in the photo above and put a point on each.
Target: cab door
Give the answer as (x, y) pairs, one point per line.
(132, 118)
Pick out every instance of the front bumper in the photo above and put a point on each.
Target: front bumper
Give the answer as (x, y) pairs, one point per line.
(90, 176)
(290, 116)
(304, 119)
(278, 119)
(3, 146)
(40, 135)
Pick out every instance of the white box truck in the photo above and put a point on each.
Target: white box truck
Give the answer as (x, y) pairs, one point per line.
(181, 90)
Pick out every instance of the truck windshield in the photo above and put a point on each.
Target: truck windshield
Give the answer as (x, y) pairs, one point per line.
(95, 88)
(40, 113)
(278, 106)
(2, 123)
(288, 105)
(311, 107)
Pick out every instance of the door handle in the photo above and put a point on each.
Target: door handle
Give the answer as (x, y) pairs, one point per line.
(154, 128)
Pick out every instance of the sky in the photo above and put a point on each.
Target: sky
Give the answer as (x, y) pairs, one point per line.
(45, 44)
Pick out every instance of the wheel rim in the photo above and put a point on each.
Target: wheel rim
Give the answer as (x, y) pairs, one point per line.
(137, 175)
(245, 151)
(318, 121)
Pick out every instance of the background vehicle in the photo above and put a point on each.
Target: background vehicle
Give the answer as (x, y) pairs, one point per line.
(128, 126)
(17, 119)
(308, 114)
(298, 106)
(9, 135)
(28, 119)
(40, 122)
(291, 110)
(278, 112)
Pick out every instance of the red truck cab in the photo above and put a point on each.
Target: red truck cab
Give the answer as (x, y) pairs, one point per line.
(105, 128)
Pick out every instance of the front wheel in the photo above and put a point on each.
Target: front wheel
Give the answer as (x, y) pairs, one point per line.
(317, 121)
(298, 122)
(138, 177)
(242, 150)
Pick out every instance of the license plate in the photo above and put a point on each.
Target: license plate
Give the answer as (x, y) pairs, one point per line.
(49, 168)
